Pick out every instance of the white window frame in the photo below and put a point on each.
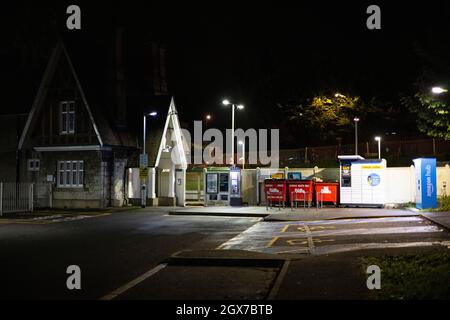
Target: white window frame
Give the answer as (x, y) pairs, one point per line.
(67, 117)
(34, 164)
(70, 174)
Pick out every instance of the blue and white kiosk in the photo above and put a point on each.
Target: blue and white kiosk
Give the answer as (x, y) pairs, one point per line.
(363, 182)
(426, 191)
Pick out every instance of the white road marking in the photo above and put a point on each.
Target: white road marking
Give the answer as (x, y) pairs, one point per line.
(366, 231)
(134, 282)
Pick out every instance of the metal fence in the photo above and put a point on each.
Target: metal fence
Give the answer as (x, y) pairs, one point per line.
(392, 150)
(16, 197)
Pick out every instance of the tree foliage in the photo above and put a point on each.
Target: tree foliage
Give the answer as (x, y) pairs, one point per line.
(433, 117)
(328, 116)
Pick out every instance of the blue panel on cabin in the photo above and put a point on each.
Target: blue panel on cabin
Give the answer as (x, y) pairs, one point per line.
(426, 186)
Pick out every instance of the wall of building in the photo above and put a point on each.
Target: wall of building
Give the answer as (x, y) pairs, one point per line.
(248, 186)
(8, 166)
(96, 180)
(118, 183)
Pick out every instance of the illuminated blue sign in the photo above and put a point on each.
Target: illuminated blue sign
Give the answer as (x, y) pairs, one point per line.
(426, 191)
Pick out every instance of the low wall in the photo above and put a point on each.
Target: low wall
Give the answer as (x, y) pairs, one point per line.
(401, 184)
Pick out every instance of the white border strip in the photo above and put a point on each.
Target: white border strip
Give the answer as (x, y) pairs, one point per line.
(133, 283)
(72, 148)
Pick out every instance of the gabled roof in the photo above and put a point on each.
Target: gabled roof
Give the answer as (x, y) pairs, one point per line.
(157, 129)
(59, 52)
(97, 104)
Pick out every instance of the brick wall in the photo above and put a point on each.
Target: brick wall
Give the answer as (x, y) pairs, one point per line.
(91, 195)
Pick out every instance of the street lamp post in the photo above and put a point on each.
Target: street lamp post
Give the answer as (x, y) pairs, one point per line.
(144, 160)
(356, 120)
(378, 139)
(233, 109)
(242, 143)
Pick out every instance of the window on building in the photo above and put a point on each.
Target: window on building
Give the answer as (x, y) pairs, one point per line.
(70, 174)
(34, 164)
(67, 117)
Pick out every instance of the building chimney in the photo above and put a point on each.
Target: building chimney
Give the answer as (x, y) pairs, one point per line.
(120, 114)
(159, 69)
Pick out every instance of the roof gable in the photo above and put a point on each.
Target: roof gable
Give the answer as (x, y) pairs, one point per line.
(159, 132)
(59, 55)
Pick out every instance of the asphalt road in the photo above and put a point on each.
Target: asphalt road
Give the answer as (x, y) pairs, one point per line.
(110, 251)
(113, 251)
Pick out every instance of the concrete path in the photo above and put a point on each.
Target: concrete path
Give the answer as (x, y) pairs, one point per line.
(222, 211)
(440, 218)
(288, 214)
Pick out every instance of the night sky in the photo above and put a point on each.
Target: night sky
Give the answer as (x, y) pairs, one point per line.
(252, 52)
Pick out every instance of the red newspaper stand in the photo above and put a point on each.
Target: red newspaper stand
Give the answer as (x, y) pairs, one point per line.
(326, 192)
(300, 191)
(275, 191)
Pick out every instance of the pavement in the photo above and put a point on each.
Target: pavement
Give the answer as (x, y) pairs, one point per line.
(440, 218)
(251, 211)
(322, 237)
(288, 214)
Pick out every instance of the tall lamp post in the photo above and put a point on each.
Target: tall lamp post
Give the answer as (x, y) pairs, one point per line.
(242, 143)
(233, 109)
(378, 139)
(356, 120)
(144, 160)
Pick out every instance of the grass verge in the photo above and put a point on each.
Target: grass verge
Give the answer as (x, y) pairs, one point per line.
(412, 277)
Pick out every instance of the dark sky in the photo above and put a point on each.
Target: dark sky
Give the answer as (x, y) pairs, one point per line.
(256, 52)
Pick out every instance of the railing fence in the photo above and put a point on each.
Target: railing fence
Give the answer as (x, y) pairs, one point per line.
(16, 197)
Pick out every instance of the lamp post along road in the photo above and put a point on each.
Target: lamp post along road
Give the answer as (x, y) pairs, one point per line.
(378, 139)
(233, 109)
(232, 133)
(144, 160)
(356, 120)
(242, 143)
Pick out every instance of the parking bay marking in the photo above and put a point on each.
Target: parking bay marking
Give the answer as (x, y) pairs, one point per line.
(281, 242)
(304, 228)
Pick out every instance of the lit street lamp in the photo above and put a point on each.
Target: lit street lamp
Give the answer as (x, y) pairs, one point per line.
(233, 108)
(378, 139)
(208, 118)
(356, 120)
(438, 90)
(144, 159)
(242, 143)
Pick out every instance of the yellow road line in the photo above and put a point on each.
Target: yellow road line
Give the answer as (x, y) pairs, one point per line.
(271, 243)
(285, 228)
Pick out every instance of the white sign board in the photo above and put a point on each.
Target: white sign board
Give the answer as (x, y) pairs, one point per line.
(143, 161)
